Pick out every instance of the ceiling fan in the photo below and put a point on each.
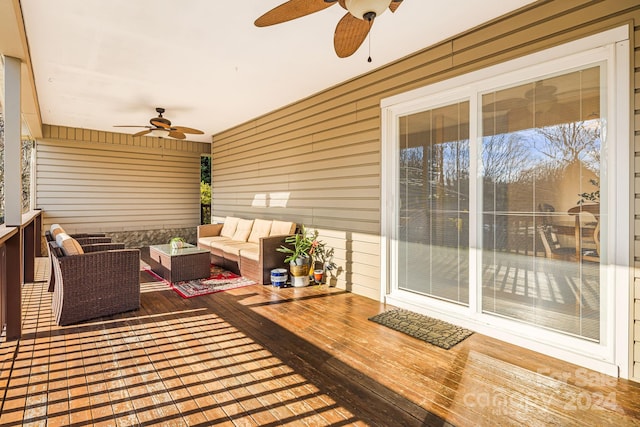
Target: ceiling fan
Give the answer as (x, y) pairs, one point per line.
(161, 127)
(544, 94)
(352, 29)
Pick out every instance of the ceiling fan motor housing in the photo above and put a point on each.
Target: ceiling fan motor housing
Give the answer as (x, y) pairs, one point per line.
(367, 9)
(160, 119)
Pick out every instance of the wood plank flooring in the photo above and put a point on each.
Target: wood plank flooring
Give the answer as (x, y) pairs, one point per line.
(298, 356)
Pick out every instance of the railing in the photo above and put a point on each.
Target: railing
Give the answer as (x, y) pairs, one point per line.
(19, 247)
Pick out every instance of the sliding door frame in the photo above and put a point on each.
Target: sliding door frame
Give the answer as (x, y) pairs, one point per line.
(612, 354)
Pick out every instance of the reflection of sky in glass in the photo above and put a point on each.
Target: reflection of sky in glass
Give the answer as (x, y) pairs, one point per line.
(507, 157)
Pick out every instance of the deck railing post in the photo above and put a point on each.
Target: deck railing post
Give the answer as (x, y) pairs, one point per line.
(14, 286)
(29, 252)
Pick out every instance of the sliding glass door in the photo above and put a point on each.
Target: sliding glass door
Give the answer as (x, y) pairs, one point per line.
(504, 198)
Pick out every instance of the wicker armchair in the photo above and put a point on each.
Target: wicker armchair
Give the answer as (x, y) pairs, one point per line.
(94, 284)
(84, 239)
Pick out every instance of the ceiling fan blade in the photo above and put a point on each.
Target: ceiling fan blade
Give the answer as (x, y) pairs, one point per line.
(159, 123)
(131, 126)
(176, 135)
(343, 3)
(183, 129)
(142, 133)
(349, 35)
(291, 10)
(395, 4)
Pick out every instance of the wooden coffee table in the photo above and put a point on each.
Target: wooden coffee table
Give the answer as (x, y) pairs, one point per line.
(177, 265)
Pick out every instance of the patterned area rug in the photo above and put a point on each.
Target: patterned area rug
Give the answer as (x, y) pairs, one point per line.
(434, 331)
(219, 280)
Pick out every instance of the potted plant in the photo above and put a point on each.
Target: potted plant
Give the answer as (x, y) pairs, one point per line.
(323, 261)
(177, 242)
(593, 196)
(298, 249)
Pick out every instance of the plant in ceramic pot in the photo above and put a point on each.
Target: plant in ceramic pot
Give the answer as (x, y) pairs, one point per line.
(298, 249)
(323, 261)
(177, 242)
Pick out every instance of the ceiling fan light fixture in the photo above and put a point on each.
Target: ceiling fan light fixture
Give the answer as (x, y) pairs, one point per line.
(363, 9)
(159, 133)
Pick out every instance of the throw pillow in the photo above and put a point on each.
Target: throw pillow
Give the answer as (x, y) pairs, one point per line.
(260, 229)
(56, 229)
(243, 230)
(281, 228)
(69, 245)
(229, 227)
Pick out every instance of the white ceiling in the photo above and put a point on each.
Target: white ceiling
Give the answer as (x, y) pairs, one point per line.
(99, 63)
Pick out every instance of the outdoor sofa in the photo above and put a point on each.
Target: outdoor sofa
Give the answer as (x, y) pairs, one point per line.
(246, 246)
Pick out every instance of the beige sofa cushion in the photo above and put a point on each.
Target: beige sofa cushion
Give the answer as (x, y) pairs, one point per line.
(280, 228)
(219, 243)
(243, 230)
(250, 252)
(68, 244)
(206, 241)
(261, 228)
(234, 247)
(229, 227)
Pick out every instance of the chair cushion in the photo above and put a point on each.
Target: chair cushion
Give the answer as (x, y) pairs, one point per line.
(261, 228)
(69, 245)
(281, 228)
(229, 227)
(243, 230)
(56, 229)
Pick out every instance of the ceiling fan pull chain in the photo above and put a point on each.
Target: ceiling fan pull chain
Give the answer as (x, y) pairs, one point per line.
(369, 36)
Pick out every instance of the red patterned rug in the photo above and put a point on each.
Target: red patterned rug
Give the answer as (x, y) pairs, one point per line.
(219, 280)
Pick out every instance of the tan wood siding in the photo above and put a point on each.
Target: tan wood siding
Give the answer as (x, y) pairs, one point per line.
(325, 150)
(99, 181)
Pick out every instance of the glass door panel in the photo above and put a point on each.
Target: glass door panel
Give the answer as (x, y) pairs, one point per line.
(541, 176)
(433, 226)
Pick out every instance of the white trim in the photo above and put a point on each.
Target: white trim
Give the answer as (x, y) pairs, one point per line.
(12, 145)
(612, 355)
(623, 158)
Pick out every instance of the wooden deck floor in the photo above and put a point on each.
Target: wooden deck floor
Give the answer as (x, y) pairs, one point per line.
(297, 356)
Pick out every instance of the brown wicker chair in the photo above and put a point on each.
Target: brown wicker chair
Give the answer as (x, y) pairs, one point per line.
(84, 239)
(94, 284)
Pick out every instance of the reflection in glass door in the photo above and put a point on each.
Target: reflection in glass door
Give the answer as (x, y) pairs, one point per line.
(433, 226)
(541, 178)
